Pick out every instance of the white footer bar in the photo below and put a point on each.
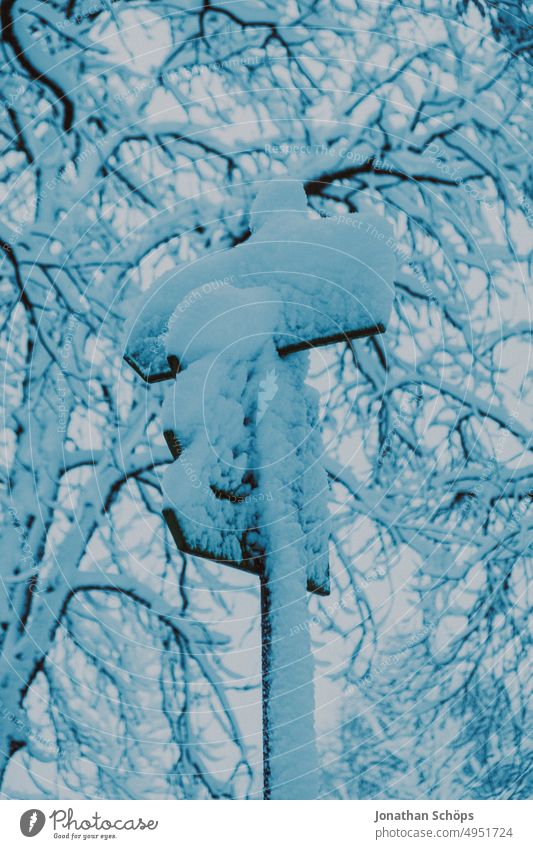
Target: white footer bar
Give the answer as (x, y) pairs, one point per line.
(272, 825)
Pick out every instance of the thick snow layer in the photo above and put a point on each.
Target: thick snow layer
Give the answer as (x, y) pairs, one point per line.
(220, 320)
(210, 409)
(146, 328)
(333, 275)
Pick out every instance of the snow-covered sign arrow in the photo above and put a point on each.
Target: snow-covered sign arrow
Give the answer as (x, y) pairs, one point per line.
(247, 487)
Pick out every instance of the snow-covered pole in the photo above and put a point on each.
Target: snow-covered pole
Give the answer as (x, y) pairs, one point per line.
(294, 531)
(290, 764)
(250, 492)
(266, 670)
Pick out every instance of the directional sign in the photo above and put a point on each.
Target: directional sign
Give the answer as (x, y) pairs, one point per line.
(333, 278)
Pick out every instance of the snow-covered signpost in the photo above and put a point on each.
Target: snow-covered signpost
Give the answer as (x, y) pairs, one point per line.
(247, 487)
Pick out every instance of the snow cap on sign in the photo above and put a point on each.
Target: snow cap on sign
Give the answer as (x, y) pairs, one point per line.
(333, 279)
